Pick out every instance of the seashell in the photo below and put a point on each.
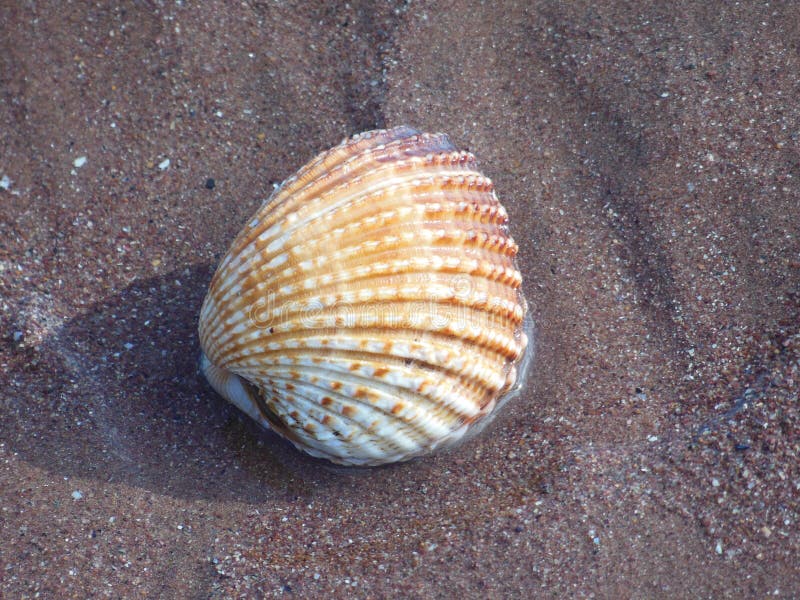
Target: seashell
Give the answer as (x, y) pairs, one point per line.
(371, 310)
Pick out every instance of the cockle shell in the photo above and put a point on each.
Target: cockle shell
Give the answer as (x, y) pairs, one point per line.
(371, 310)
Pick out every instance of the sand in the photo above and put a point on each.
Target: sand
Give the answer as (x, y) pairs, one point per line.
(648, 155)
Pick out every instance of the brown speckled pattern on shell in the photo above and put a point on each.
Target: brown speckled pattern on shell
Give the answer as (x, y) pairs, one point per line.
(372, 306)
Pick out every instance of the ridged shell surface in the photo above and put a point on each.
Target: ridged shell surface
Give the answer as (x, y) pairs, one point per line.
(371, 310)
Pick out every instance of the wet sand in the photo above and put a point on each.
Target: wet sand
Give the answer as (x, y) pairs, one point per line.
(648, 157)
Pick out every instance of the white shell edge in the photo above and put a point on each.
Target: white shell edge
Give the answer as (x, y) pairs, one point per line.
(233, 388)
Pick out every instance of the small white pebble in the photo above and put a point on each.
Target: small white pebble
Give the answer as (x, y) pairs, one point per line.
(715, 482)
(79, 162)
(164, 164)
(718, 548)
(5, 182)
(128, 345)
(652, 438)
(76, 495)
(316, 576)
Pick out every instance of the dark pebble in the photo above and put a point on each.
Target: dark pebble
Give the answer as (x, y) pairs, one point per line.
(210, 183)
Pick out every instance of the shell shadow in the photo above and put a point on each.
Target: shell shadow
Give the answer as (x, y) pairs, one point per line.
(122, 401)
